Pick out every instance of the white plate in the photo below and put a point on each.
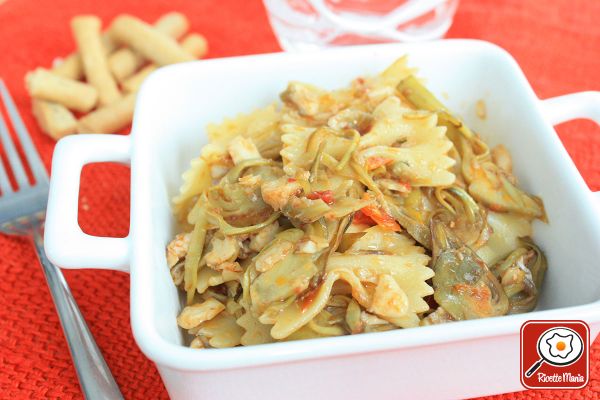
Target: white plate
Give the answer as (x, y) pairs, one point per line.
(462, 359)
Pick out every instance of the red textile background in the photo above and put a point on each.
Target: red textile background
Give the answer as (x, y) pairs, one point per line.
(557, 43)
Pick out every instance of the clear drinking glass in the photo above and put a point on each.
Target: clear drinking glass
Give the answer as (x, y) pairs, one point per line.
(308, 24)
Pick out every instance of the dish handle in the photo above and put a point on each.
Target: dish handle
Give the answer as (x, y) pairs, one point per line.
(585, 105)
(65, 243)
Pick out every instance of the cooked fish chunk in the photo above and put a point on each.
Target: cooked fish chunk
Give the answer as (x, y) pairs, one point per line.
(389, 300)
(223, 250)
(241, 149)
(194, 315)
(277, 193)
(264, 237)
(177, 249)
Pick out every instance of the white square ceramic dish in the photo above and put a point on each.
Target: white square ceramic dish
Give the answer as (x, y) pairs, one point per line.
(455, 360)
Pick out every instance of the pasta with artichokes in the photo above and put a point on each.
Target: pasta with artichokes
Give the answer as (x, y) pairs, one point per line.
(363, 209)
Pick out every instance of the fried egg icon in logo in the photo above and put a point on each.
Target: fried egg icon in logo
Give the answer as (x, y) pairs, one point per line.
(560, 346)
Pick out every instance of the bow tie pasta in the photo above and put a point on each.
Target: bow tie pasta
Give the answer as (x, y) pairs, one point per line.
(363, 209)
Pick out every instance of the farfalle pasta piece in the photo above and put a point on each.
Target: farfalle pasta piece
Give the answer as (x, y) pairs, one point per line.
(394, 73)
(195, 180)
(255, 331)
(260, 125)
(409, 272)
(304, 333)
(384, 241)
(294, 138)
(399, 257)
(299, 313)
(221, 331)
(412, 142)
(213, 163)
(388, 125)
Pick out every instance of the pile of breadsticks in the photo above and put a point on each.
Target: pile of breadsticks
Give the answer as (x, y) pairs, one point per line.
(93, 90)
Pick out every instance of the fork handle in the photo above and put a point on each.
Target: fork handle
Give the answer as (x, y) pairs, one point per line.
(94, 375)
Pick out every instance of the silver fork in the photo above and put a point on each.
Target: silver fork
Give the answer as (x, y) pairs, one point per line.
(22, 213)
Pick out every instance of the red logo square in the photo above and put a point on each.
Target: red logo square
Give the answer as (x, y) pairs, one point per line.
(555, 354)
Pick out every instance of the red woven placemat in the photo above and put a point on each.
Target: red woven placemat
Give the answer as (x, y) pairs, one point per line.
(556, 42)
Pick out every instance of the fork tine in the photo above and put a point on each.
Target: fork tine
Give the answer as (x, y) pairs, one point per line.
(31, 154)
(4, 182)
(12, 155)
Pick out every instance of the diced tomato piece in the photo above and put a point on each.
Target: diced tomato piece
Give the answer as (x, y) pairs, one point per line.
(306, 300)
(406, 186)
(361, 219)
(382, 218)
(496, 207)
(291, 180)
(376, 162)
(325, 195)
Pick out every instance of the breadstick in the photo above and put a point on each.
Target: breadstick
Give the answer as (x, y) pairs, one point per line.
(114, 117)
(54, 119)
(109, 119)
(194, 44)
(72, 94)
(134, 82)
(124, 62)
(71, 67)
(86, 29)
(152, 44)
(173, 24)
